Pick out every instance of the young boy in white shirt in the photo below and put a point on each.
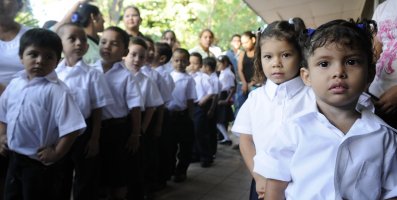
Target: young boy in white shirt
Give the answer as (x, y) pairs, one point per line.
(134, 61)
(180, 115)
(91, 92)
(39, 120)
(121, 125)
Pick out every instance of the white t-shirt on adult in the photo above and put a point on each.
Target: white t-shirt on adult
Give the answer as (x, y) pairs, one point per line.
(10, 62)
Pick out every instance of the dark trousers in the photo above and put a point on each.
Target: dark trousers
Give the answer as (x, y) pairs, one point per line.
(202, 130)
(3, 173)
(86, 170)
(136, 174)
(253, 193)
(29, 179)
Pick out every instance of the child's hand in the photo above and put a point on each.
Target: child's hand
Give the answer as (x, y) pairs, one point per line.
(47, 155)
(92, 148)
(388, 101)
(133, 143)
(260, 186)
(3, 144)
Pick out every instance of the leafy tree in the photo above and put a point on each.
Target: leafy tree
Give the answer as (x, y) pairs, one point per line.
(25, 16)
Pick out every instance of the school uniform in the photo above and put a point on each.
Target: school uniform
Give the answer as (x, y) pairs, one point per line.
(163, 81)
(116, 125)
(203, 149)
(267, 107)
(227, 80)
(38, 113)
(214, 80)
(90, 91)
(313, 153)
(149, 148)
(179, 126)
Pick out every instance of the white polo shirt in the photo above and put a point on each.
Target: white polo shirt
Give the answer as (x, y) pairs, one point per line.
(87, 85)
(203, 86)
(227, 79)
(321, 162)
(185, 89)
(165, 88)
(38, 113)
(215, 83)
(150, 93)
(268, 106)
(125, 91)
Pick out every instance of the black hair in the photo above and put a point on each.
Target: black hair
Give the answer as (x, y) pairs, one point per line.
(249, 34)
(182, 51)
(148, 39)
(235, 35)
(281, 30)
(83, 14)
(125, 38)
(347, 33)
(42, 38)
(138, 41)
(210, 62)
(225, 60)
(198, 55)
(206, 30)
(163, 49)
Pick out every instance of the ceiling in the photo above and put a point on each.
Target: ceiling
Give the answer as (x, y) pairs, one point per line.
(313, 12)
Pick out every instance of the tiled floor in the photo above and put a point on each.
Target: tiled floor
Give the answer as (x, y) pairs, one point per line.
(227, 178)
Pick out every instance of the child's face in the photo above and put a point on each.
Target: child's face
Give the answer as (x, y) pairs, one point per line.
(169, 38)
(337, 74)
(136, 57)
(195, 63)
(150, 52)
(111, 47)
(280, 60)
(220, 65)
(74, 41)
(180, 61)
(99, 23)
(39, 61)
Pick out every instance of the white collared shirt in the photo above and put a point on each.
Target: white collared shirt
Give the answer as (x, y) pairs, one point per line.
(184, 90)
(87, 85)
(268, 106)
(125, 91)
(203, 86)
(163, 81)
(150, 93)
(227, 79)
(166, 68)
(216, 84)
(313, 153)
(38, 113)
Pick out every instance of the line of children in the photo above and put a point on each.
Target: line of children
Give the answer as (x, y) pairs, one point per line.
(39, 120)
(335, 149)
(90, 91)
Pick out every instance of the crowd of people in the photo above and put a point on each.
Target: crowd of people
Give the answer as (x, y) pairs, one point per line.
(90, 112)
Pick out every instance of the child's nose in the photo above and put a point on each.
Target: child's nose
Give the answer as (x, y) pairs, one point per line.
(339, 72)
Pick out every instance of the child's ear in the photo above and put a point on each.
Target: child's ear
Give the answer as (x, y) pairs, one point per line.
(162, 59)
(305, 75)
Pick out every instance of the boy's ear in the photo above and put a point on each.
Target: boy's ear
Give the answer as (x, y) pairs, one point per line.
(162, 59)
(253, 40)
(305, 75)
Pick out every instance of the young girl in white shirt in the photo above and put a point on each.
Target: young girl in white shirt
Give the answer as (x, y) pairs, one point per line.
(224, 109)
(337, 149)
(278, 57)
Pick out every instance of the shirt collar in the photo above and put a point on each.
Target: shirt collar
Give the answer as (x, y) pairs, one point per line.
(51, 77)
(81, 65)
(290, 87)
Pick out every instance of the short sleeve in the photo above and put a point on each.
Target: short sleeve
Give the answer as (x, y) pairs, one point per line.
(274, 161)
(3, 106)
(242, 123)
(153, 97)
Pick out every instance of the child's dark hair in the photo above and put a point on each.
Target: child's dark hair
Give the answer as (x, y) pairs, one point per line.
(125, 38)
(225, 60)
(198, 55)
(43, 38)
(138, 41)
(280, 30)
(353, 34)
(163, 49)
(83, 14)
(210, 62)
(182, 51)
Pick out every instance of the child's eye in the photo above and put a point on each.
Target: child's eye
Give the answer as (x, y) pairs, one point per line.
(352, 62)
(323, 64)
(267, 57)
(286, 55)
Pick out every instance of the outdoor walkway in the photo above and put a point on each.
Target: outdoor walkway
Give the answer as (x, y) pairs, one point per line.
(226, 179)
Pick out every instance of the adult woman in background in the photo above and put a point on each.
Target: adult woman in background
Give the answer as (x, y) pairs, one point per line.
(10, 33)
(206, 37)
(132, 20)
